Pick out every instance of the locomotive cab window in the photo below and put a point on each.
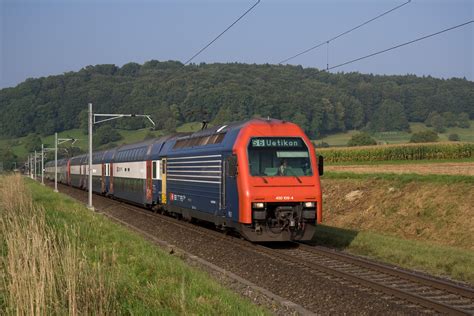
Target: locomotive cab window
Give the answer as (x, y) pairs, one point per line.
(279, 156)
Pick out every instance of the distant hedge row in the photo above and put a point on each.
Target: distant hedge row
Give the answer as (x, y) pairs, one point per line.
(398, 152)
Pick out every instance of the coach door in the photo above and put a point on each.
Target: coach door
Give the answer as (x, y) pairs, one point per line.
(107, 177)
(111, 178)
(104, 171)
(68, 172)
(163, 181)
(149, 182)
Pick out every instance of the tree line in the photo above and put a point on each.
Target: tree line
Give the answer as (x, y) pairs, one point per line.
(320, 102)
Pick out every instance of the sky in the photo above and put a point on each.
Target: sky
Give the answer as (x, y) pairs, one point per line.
(49, 37)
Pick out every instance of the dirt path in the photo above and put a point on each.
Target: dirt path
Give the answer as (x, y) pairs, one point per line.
(460, 168)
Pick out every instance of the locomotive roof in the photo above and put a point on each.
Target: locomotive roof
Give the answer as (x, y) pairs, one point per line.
(229, 127)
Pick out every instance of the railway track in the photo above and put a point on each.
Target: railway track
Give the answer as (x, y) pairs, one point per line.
(414, 289)
(432, 293)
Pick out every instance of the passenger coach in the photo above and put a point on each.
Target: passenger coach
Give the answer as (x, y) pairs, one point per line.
(258, 177)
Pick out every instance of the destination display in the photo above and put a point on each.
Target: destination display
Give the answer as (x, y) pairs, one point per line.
(280, 142)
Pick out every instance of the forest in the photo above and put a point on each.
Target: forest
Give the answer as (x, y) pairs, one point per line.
(320, 102)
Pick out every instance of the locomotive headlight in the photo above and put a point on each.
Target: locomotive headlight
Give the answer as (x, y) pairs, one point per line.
(309, 204)
(258, 205)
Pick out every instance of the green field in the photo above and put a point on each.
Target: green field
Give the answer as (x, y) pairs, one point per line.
(341, 139)
(129, 136)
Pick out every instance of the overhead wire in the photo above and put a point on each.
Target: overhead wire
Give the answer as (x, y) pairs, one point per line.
(222, 33)
(344, 33)
(401, 45)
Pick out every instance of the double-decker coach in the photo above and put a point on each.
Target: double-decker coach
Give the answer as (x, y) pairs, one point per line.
(259, 177)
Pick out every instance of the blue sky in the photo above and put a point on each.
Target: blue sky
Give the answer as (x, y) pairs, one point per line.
(41, 38)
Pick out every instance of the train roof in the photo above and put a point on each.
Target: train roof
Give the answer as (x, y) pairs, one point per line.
(209, 139)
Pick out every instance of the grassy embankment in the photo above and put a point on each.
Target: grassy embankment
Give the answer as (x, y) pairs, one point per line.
(59, 258)
(341, 139)
(418, 222)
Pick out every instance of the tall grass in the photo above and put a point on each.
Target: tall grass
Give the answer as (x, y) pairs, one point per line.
(44, 271)
(398, 152)
(79, 262)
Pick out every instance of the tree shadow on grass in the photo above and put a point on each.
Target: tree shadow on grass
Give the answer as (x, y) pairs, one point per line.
(333, 237)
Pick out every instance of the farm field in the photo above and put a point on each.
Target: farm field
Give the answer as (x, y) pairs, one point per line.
(85, 263)
(341, 139)
(446, 168)
(447, 151)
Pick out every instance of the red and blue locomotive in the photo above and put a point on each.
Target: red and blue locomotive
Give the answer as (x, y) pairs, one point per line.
(259, 177)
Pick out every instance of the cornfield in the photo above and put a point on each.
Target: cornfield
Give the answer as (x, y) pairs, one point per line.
(426, 151)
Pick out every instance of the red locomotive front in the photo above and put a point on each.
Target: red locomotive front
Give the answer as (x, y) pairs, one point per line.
(278, 182)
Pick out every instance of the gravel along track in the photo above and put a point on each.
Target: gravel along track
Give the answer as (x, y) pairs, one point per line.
(439, 295)
(297, 273)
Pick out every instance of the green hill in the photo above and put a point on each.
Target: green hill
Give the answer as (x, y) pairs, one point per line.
(173, 94)
(178, 96)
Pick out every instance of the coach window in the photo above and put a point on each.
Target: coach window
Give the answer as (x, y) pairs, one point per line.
(154, 169)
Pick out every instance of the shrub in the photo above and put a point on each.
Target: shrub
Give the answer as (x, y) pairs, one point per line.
(149, 135)
(424, 137)
(463, 120)
(106, 134)
(322, 145)
(454, 137)
(361, 139)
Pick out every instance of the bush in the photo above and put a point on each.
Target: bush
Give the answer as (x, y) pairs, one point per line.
(149, 135)
(424, 137)
(463, 120)
(106, 134)
(322, 145)
(454, 137)
(361, 139)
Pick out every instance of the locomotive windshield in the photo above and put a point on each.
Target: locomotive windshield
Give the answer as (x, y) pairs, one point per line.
(279, 156)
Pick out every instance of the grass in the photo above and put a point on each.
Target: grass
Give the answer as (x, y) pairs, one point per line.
(341, 139)
(189, 127)
(435, 259)
(401, 178)
(131, 274)
(45, 272)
